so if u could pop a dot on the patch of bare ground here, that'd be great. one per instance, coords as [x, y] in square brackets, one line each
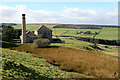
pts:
[74, 60]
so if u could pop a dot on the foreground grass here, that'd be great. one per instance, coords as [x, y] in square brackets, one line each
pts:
[23, 66]
[84, 62]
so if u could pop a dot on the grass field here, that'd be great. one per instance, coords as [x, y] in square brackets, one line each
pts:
[72, 32]
[108, 34]
[22, 65]
[85, 62]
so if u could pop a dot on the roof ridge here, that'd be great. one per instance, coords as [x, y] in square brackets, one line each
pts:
[41, 27]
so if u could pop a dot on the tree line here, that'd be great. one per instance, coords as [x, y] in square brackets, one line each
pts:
[9, 33]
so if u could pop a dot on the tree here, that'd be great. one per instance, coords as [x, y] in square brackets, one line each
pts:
[7, 33]
[17, 33]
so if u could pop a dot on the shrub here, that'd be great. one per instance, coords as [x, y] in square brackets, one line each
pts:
[39, 43]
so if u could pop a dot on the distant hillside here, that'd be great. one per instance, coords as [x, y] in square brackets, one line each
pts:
[83, 26]
[7, 24]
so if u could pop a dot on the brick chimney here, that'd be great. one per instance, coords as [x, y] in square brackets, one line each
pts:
[23, 37]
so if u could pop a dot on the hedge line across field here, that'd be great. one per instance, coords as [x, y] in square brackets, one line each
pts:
[98, 41]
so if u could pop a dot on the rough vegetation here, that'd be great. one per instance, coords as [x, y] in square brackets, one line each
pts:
[73, 60]
[20, 65]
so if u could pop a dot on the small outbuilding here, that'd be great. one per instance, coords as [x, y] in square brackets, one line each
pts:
[30, 36]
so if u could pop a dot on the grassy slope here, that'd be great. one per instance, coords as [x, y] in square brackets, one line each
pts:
[74, 44]
[108, 33]
[28, 66]
[85, 46]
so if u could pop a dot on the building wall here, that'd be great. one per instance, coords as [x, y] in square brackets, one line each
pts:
[30, 39]
[36, 33]
[47, 32]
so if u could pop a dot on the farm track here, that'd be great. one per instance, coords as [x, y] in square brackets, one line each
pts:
[107, 49]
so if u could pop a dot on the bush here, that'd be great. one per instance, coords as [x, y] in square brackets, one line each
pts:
[39, 43]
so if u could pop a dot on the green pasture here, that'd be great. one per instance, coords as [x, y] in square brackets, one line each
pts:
[108, 34]
[72, 32]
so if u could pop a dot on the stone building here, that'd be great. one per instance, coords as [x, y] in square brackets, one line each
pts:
[45, 31]
[30, 36]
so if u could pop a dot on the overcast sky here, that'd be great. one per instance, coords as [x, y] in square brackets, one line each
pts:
[60, 12]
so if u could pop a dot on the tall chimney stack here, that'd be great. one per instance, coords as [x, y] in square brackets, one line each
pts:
[23, 40]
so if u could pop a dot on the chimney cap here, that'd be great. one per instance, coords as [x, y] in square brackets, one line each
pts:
[23, 14]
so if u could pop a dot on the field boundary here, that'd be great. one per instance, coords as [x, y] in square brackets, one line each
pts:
[98, 41]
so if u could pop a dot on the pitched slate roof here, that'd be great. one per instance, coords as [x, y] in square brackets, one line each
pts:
[31, 34]
[41, 27]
